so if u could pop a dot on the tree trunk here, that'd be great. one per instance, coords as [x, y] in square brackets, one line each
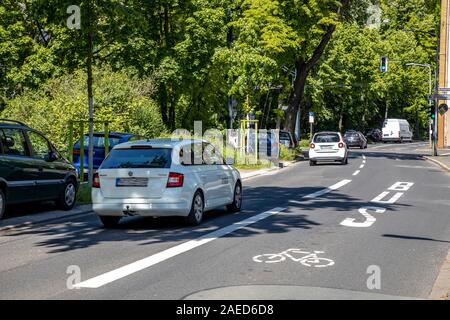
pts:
[163, 104]
[296, 96]
[171, 109]
[230, 39]
[303, 69]
[166, 25]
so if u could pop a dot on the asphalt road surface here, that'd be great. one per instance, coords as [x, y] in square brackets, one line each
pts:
[376, 228]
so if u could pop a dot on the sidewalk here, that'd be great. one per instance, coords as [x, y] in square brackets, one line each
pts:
[443, 160]
[248, 173]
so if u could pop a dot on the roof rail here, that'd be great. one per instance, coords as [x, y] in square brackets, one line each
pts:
[13, 121]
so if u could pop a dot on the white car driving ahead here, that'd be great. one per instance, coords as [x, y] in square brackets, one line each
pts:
[163, 177]
[328, 146]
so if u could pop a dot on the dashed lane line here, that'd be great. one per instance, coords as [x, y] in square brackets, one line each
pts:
[328, 190]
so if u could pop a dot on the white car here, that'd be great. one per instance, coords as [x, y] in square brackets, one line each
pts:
[163, 177]
[328, 146]
[396, 130]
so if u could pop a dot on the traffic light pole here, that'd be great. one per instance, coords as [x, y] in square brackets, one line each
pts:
[436, 89]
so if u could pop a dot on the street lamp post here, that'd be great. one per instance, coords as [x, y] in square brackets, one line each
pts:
[436, 83]
[426, 65]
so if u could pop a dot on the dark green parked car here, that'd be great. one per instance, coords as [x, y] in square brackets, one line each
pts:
[32, 170]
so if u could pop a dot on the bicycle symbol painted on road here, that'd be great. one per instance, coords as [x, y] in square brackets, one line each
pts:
[306, 258]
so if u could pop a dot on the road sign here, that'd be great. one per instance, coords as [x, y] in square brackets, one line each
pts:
[311, 117]
[443, 108]
[439, 97]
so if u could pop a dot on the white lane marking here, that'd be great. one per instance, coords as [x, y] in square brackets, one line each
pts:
[401, 186]
[398, 186]
[370, 220]
[308, 259]
[145, 263]
[364, 157]
[394, 199]
[364, 161]
[361, 166]
[413, 167]
[356, 172]
[328, 190]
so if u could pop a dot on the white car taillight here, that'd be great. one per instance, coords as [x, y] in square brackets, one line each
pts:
[341, 145]
[312, 146]
[175, 180]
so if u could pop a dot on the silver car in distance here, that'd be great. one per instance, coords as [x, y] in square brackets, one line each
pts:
[164, 177]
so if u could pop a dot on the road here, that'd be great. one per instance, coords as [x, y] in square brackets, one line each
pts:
[392, 253]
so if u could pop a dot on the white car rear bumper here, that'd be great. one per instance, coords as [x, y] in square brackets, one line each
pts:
[162, 207]
[327, 156]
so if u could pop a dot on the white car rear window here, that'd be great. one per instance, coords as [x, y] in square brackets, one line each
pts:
[327, 138]
[138, 158]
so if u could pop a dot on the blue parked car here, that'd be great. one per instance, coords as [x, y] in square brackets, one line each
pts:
[115, 138]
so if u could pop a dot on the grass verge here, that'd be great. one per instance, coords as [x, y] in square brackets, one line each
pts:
[84, 194]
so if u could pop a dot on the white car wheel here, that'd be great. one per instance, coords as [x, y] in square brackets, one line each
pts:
[195, 216]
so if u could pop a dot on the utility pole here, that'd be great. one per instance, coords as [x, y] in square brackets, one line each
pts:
[90, 40]
[442, 58]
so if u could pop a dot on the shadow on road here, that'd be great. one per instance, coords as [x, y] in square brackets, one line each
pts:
[19, 210]
[87, 231]
[413, 238]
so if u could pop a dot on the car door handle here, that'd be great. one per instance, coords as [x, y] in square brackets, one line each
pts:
[40, 169]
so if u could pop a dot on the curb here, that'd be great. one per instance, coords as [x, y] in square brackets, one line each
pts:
[29, 224]
[443, 166]
[441, 288]
[264, 171]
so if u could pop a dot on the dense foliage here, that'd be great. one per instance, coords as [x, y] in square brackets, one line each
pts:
[160, 65]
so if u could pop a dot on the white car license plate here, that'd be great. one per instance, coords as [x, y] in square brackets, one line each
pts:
[132, 182]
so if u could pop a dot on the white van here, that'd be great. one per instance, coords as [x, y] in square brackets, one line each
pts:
[396, 130]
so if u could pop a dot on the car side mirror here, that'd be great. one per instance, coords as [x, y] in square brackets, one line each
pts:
[51, 157]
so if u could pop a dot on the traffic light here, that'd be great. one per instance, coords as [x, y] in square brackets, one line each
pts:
[384, 64]
[432, 111]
